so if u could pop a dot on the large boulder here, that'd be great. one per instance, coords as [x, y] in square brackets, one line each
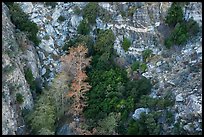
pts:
[43, 71]
[56, 14]
[49, 29]
[75, 20]
[138, 111]
[27, 7]
[179, 98]
[47, 45]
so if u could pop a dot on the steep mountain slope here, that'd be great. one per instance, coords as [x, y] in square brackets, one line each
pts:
[176, 70]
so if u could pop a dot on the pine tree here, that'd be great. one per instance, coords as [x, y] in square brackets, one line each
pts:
[58, 90]
[43, 116]
[108, 125]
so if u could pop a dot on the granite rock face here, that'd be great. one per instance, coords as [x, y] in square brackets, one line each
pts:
[178, 70]
[13, 79]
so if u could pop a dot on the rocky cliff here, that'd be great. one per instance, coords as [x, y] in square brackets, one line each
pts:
[17, 53]
[177, 70]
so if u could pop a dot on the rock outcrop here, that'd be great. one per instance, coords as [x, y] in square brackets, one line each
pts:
[177, 70]
[17, 53]
[138, 112]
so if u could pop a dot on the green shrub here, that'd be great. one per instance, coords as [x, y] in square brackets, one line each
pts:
[84, 27]
[178, 36]
[182, 29]
[123, 13]
[174, 15]
[147, 102]
[182, 4]
[61, 18]
[143, 67]
[104, 44]
[68, 44]
[98, 64]
[168, 43]
[77, 10]
[43, 116]
[126, 44]
[8, 3]
[155, 103]
[85, 39]
[133, 128]
[107, 125]
[34, 38]
[178, 128]
[30, 79]
[139, 66]
[192, 26]
[52, 4]
[8, 69]
[21, 21]
[104, 15]
[146, 54]
[135, 66]
[46, 37]
[90, 12]
[110, 98]
[18, 17]
[19, 98]
[170, 117]
[137, 88]
[146, 125]
[45, 131]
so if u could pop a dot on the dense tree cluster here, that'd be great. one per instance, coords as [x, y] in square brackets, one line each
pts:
[182, 29]
[43, 116]
[90, 12]
[50, 106]
[175, 15]
[21, 21]
[84, 27]
[112, 92]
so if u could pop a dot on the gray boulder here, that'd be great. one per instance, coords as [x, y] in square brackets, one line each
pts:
[43, 71]
[138, 111]
[27, 7]
[75, 20]
[47, 45]
[179, 98]
[56, 14]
